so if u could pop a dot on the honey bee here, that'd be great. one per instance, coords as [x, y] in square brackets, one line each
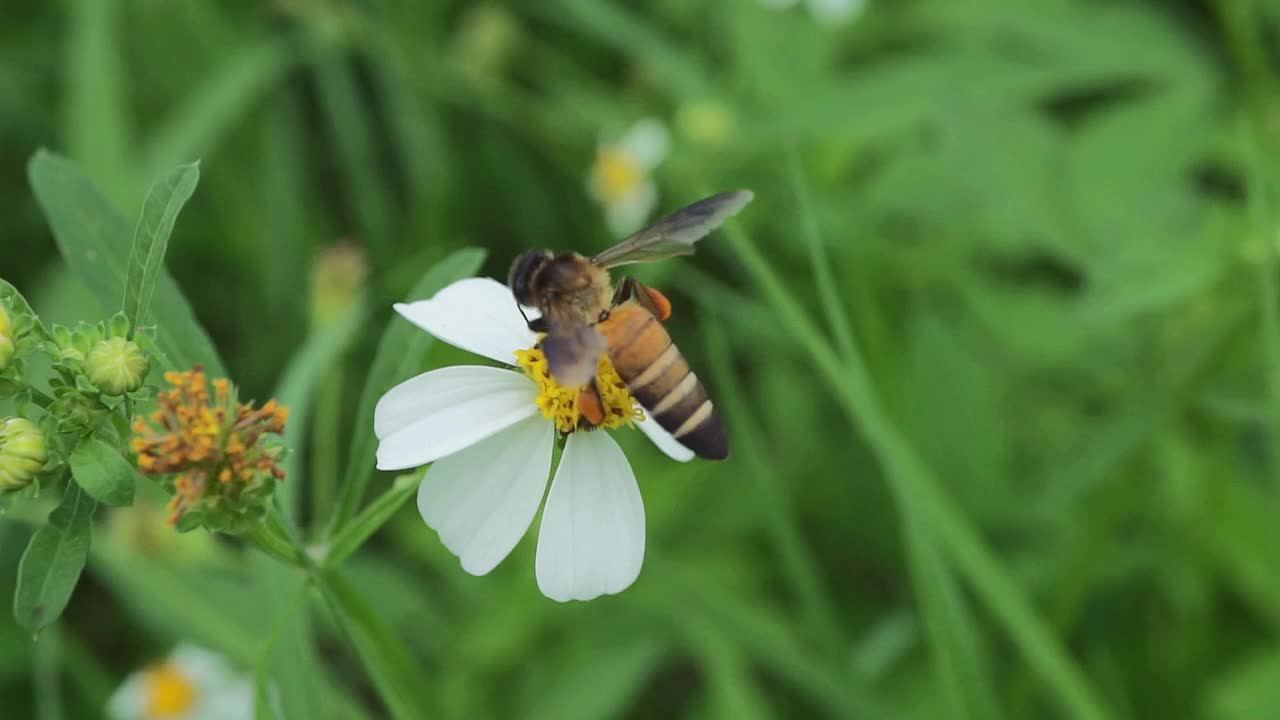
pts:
[583, 316]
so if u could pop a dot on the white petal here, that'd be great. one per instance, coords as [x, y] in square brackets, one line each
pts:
[478, 315]
[648, 140]
[482, 499]
[591, 541]
[130, 699]
[203, 667]
[629, 214]
[663, 439]
[441, 412]
[836, 12]
[232, 701]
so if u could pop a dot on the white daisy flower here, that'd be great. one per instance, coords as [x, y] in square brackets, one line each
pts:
[191, 684]
[490, 433]
[826, 12]
[621, 177]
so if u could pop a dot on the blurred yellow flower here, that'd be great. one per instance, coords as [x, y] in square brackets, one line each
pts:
[621, 179]
[191, 684]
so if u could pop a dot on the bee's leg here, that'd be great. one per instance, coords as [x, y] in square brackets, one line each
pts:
[646, 297]
[538, 324]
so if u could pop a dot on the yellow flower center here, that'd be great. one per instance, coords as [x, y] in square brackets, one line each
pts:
[169, 693]
[561, 404]
[616, 174]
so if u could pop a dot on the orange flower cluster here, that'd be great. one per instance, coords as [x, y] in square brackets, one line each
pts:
[211, 445]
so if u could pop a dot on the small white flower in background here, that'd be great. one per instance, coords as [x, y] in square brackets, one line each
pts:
[490, 433]
[191, 684]
[827, 12]
[621, 177]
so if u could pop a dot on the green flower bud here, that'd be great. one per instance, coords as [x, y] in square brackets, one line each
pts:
[22, 453]
[6, 339]
[116, 366]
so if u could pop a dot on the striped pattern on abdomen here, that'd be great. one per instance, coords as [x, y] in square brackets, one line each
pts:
[660, 379]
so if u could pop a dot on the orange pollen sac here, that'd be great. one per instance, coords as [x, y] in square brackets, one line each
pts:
[210, 445]
[660, 302]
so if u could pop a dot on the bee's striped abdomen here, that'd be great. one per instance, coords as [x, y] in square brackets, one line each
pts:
[660, 379]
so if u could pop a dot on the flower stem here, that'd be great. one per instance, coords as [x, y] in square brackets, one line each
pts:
[271, 537]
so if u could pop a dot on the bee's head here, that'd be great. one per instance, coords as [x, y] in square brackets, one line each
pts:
[523, 270]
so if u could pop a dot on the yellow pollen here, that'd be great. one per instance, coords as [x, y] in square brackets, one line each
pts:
[560, 404]
[617, 174]
[169, 693]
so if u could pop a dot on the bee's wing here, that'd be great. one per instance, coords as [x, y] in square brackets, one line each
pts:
[573, 350]
[676, 233]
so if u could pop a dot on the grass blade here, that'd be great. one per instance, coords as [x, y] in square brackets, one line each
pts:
[399, 352]
[373, 517]
[913, 483]
[216, 103]
[97, 120]
[296, 391]
[151, 239]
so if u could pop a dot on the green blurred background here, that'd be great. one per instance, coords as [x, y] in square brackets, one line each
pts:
[1045, 484]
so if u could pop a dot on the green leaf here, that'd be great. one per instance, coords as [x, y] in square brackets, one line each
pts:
[389, 663]
[103, 473]
[51, 566]
[399, 352]
[95, 240]
[363, 526]
[151, 238]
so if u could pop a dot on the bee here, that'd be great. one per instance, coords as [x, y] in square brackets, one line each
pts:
[583, 316]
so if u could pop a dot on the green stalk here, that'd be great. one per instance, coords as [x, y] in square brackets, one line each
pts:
[325, 439]
[916, 490]
[1240, 24]
[837, 318]
[271, 537]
